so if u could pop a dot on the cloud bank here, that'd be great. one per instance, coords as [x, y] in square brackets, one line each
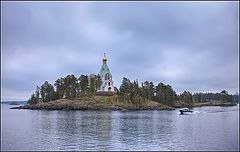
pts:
[190, 45]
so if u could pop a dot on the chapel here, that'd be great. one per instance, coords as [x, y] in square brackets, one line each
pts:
[106, 76]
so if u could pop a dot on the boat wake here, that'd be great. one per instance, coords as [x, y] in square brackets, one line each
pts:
[196, 111]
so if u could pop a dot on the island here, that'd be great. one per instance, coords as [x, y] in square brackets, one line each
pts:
[105, 103]
[14, 103]
[97, 92]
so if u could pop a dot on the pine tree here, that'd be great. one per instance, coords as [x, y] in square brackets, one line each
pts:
[84, 84]
[47, 92]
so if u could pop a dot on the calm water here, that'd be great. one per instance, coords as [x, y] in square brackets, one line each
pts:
[210, 128]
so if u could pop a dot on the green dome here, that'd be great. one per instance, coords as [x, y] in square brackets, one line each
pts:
[104, 70]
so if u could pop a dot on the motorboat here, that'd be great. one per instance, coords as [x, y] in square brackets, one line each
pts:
[185, 111]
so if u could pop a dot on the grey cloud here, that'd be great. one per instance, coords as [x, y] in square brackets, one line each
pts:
[191, 46]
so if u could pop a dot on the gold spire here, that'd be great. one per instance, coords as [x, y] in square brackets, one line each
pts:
[104, 58]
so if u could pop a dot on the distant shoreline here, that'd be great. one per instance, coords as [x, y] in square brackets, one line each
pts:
[224, 104]
[104, 103]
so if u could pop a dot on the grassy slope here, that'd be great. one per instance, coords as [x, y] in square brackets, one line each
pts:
[98, 103]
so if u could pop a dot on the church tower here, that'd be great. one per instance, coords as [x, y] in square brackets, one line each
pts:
[106, 76]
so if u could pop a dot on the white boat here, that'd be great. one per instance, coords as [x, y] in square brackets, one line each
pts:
[185, 111]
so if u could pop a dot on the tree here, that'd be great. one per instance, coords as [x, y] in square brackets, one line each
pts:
[187, 98]
[92, 84]
[47, 92]
[95, 82]
[165, 94]
[70, 86]
[146, 91]
[134, 90]
[160, 93]
[125, 87]
[151, 91]
[129, 90]
[59, 83]
[37, 92]
[170, 95]
[32, 100]
[98, 82]
[84, 84]
[226, 97]
[235, 97]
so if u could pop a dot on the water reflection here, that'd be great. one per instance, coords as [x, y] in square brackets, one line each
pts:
[95, 130]
[149, 128]
[137, 130]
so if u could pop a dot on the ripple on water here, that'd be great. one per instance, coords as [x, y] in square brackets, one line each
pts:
[208, 128]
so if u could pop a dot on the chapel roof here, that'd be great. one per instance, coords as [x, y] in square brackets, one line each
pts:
[104, 69]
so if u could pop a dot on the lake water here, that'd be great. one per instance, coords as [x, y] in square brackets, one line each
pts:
[209, 128]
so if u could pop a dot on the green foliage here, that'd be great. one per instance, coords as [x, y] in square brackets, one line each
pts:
[130, 91]
[124, 89]
[34, 97]
[92, 85]
[98, 82]
[146, 90]
[32, 100]
[47, 92]
[187, 98]
[151, 90]
[205, 97]
[70, 87]
[37, 92]
[235, 98]
[84, 84]
[165, 94]
[95, 82]
[60, 88]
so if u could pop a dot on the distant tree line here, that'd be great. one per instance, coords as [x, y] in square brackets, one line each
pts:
[235, 97]
[71, 87]
[223, 96]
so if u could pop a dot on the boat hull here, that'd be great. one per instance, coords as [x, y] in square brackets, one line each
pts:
[186, 112]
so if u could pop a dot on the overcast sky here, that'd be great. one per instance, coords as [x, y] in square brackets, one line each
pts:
[192, 46]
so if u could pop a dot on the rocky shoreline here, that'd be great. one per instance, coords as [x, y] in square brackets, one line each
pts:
[89, 108]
